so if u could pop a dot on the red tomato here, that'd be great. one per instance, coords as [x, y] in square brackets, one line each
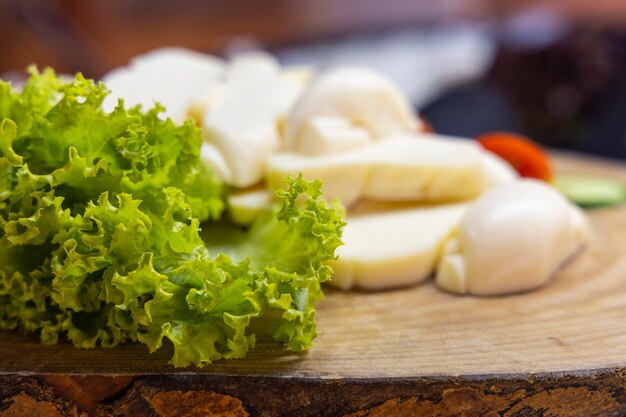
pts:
[528, 158]
[426, 126]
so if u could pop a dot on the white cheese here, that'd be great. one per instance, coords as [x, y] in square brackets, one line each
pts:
[405, 168]
[175, 77]
[496, 169]
[396, 245]
[242, 120]
[331, 134]
[213, 158]
[244, 207]
[363, 98]
[423, 168]
[342, 175]
[513, 238]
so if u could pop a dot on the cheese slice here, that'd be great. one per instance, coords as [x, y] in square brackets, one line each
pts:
[427, 167]
[392, 245]
[243, 114]
[245, 206]
[331, 134]
[175, 77]
[497, 170]
[363, 97]
[423, 168]
[342, 175]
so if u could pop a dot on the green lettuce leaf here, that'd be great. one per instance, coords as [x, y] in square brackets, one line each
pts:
[107, 233]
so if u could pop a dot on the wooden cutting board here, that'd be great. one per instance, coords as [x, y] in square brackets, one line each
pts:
[558, 351]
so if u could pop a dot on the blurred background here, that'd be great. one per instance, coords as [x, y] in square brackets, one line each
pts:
[553, 70]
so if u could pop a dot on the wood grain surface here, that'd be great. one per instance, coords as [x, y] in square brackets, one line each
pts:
[557, 351]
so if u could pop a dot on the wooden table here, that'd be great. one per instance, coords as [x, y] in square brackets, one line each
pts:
[558, 351]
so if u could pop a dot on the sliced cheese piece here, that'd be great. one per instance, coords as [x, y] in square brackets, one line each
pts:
[175, 77]
[428, 167]
[496, 169]
[252, 65]
[396, 246]
[363, 97]
[241, 120]
[245, 206]
[331, 134]
[512, 239]
[213, 158]
[298, 74]
[406, 168]
[243, 139]
[198, 109]
[342, 175]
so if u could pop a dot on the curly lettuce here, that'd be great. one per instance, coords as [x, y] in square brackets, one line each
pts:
[101, 241]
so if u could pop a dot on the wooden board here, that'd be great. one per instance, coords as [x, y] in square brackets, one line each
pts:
[560, 350]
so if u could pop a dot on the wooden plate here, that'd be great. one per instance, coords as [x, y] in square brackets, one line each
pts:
[560, 350]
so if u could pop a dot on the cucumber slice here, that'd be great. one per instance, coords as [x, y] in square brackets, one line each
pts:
[589, 191]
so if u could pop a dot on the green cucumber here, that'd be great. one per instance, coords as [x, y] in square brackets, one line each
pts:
[591, 191]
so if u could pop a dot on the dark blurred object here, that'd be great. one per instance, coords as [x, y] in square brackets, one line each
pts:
[471, 110]
[568, 94]
[558, 90]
